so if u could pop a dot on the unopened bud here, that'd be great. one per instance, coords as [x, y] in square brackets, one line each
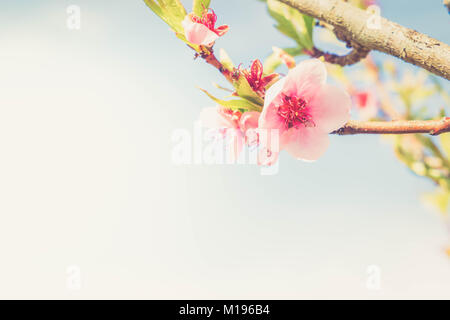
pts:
[287, 59]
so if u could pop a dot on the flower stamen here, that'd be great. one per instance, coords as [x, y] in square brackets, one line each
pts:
[295, 112]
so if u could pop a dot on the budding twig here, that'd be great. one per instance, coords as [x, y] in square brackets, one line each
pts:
[211, 59]
[433, 127]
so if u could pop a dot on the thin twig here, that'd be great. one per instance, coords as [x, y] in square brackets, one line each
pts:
[433, 127]
[354, 56]
[211, 59]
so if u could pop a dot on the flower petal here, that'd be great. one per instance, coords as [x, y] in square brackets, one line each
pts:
[249, 120]
[330, 108]
[198, 33]
[269, 118]
[305, 143]
[274, 91]
[305, 79]
[222, 30]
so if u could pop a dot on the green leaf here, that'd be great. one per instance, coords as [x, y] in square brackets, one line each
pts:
[174, 7]
[199, 6]
[244, 90]
[176, 13]
[292, 23]
[226, 60]
[171, 12]
[234, 104]
[156, 9]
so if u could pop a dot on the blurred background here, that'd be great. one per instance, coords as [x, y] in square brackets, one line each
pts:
[91, 205]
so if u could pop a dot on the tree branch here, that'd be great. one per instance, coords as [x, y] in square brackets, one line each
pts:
[391, 38]
[433, 127]
[354, 56]
[211, 59]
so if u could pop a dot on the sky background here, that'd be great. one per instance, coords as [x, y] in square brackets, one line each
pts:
[87, 182]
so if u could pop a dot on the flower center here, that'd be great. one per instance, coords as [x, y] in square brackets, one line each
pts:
[208, 19]
[295, 112]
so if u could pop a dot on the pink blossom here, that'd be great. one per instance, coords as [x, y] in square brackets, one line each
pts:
[238, 128]
[305, 110]
[256, 79]
[366, 104]
[202, 30]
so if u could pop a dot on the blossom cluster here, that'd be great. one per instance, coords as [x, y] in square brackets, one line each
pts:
[302, 107]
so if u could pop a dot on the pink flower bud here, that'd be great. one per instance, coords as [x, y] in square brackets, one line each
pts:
[202, 30]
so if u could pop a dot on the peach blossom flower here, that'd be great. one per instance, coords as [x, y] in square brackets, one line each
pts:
[202, 31]
[305, 110]
[256, 79]
[238, 128]
[366, 103]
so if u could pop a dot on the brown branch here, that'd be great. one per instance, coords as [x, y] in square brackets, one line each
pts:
[433, 127]
[354, 56]
[391, 38]
[210, 58]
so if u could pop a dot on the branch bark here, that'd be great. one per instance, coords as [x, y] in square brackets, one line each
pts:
[433, 127]
[211, 59]
[354, 56]
[391, 38]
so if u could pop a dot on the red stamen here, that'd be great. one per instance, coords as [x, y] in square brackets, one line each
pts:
[256, 79]
[209, 19]
[295, 112]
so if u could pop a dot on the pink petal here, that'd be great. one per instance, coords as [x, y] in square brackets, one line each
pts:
[198, 33]
[305, 143]
[274, 91]
[222, 30]
[330, 108]
[305, 79]
[269, 118]
[249, 120]
[212, 118]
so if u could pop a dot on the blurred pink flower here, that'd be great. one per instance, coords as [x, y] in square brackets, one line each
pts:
[238, 128]
[305, 109]
[202, 30]
[366, 103]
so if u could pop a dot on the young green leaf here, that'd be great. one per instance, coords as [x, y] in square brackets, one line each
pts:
[226, 60]
[244, 90]
[292, 23]
[199, 6]
[235, 104]
[171, 12]
[157, 9]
